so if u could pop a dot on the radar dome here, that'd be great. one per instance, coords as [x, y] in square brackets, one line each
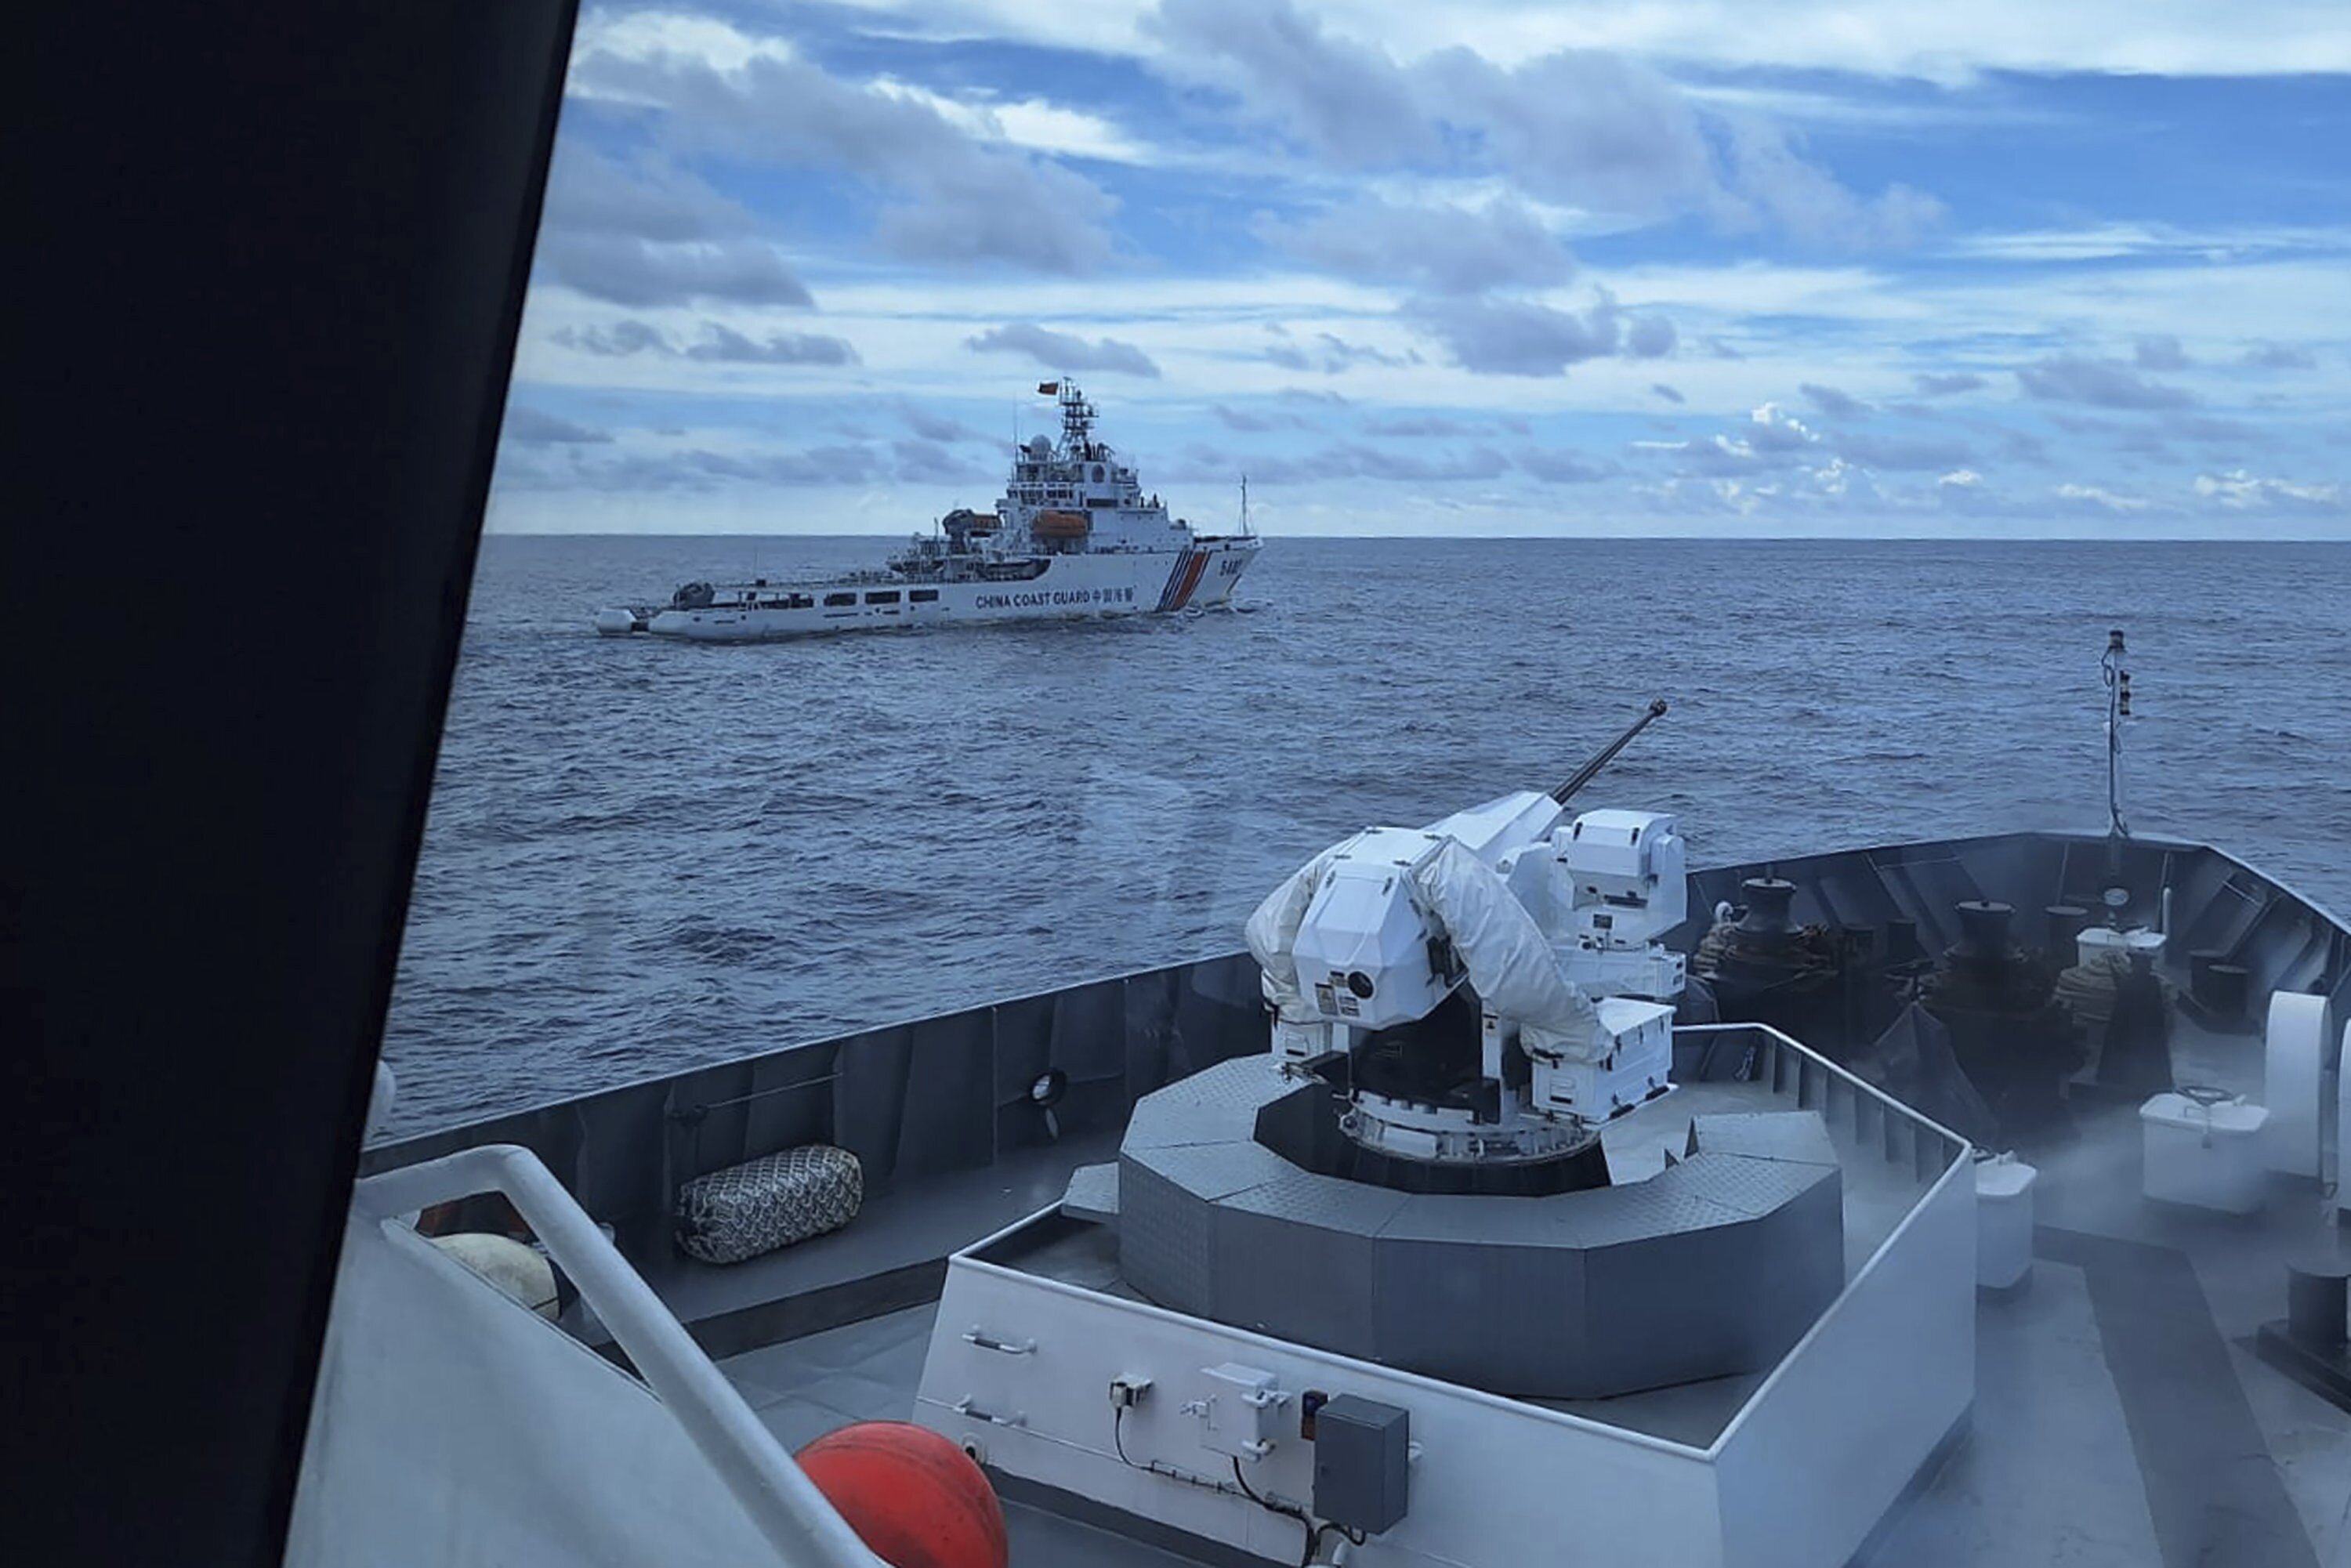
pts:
[1040, 447]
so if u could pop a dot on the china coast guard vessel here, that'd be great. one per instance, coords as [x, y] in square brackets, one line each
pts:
[1073, 535]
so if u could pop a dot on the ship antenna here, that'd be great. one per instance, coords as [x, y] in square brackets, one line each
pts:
[2117, 675]
[1245, 522]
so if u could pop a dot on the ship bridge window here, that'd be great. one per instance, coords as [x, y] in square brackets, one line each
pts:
[923, 596]
[883, 596]
[833, 599]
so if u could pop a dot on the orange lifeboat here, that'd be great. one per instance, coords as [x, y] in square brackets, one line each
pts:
[1061, 526]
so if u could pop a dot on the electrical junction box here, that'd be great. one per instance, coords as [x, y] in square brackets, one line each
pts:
[1362, 1463]
[1240, 1412]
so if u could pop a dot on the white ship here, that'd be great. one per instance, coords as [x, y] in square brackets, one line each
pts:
[1074, 535]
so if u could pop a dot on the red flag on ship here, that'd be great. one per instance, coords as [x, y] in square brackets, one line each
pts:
[1050, 389]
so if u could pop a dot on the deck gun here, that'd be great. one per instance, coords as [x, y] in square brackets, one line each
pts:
[1496, 981]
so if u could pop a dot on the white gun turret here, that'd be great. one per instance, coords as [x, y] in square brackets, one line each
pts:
[1495, 981]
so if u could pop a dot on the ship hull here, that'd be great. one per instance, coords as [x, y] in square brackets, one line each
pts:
[1072, 586]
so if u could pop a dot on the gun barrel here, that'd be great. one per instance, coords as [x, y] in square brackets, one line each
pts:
[1607, 754]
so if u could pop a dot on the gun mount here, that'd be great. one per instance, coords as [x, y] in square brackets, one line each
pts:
[1485, 992]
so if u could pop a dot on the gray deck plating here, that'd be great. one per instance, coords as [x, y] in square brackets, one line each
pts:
[2098, 1388]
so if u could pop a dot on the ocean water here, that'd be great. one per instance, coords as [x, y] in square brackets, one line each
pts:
[643, 855]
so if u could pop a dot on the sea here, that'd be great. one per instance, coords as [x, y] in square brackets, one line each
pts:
[642, 855]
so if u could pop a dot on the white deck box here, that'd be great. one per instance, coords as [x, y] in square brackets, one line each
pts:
[2204, 1151]
[2003, 1220]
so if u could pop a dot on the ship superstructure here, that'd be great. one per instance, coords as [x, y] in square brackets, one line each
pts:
[1074, 534]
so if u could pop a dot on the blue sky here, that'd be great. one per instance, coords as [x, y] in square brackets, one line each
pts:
[1993, 269]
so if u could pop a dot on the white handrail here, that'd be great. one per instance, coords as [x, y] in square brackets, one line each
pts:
[782, 1502]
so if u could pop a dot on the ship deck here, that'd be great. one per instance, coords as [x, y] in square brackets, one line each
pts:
[2120, 1415]
[2121, 1418]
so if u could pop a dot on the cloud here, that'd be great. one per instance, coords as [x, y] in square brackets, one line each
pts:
[1771, 182]
[928, 462]
[1347, 101]
[1771, 428]
[1439, 248]
[1933, 385]
[702, 469]
[1769, 438]
[1666, 393]
[2100, 383]
[2280, 357]
[1063, 350]
[717, 345]
[1834, 402]
[955, 197]
[1584, 127]
[2159, 351]
[935, 427]
[1344, 460]
[1882, 450]
[2204, 427]
[1517, 337]
[2239, 491]
[648, 233]
[1650, 338]
[1553, 466]
[1250, 422]
[528, 427]
[2099, 498]
[723, 345]
[1331, 355]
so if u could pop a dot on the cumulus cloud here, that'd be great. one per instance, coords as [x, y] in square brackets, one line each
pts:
[1832, 401]
[715, 345]
[1771, 428]
[1579, 127]
[1347, 101]
[1063, 350]
[1772, 184]
[1956, 381]
[2159, 351]
[648, 233]
[1650, 338]
[1503, 336]
[953, 195]
[1770, 438]
[2100, 383]
[528, 427]
[2280, 357]
[2239, 491]
[1440, 249]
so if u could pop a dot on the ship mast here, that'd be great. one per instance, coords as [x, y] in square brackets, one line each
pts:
[2117, 675]
[1077, 419]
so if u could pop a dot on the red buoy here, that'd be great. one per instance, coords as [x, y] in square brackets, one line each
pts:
[913, 1495]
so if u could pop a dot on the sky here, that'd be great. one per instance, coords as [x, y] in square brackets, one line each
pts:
[1973, 268]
